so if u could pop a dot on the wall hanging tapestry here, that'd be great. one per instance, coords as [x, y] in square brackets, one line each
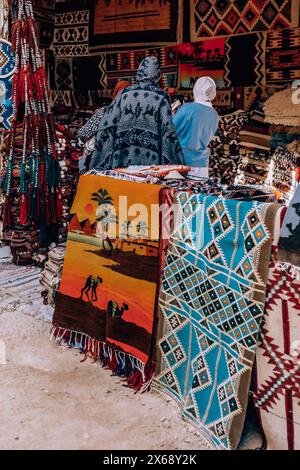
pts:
[124, 65]
[44, 11]
[107, 298]
[212, 303]
[202, 58]
[80, 73]
[290, 234]
[7, 65]
[224, 18]
[71, 34]
[283, 56]
[60, 98]
[245, 60]
[224, 99]
[253, 97]
[125, 22]
[277, 378]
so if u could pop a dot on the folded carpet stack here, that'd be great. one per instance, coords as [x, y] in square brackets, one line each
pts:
[51, 275]
[68, 162]
[283, 172]
[225, 148]
[254, 150]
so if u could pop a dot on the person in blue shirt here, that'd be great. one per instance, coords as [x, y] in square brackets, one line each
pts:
[196, 124]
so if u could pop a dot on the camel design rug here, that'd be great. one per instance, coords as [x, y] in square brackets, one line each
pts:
[107, 299]
[211, 307]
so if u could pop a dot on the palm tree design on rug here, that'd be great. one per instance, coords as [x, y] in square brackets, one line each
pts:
[142, 228]
[126, 228]
[105, 216]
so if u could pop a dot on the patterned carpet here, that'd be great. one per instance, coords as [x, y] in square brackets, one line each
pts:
[20, 289]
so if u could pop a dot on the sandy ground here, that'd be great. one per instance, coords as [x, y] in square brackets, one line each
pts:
[49, 400]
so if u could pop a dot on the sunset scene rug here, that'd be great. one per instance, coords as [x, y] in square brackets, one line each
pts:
[107, 299]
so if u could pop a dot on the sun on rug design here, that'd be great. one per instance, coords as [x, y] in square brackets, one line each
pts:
[212, 304]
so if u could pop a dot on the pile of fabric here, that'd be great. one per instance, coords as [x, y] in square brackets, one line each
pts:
[255, 150]
[51, 275]
[225, 149]
[282, 174]
[68, 161]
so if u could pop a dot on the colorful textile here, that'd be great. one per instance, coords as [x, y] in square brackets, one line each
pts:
[249, 98]
[290, 234]
[7, 64]
[71, 34]
[107, 296]
[283, 56]
[276, 389]
[212, 304]
[245, 60]
[224, 18]
[124, 65]
[281, 175]
[225, 155]
[125, 22]
[137, 128]
[205, 58]
[255, 150]
[78, 73]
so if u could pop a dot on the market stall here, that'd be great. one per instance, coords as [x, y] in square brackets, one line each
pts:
[179, 284]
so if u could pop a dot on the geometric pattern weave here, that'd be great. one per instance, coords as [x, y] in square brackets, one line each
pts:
[224, 18]
[7, 65]
[212, 304]
[71, 34]
[277, 391]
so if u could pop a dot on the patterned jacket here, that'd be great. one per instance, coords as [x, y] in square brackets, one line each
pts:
[137, 128]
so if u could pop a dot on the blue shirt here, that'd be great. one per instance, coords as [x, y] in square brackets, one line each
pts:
[196, 124]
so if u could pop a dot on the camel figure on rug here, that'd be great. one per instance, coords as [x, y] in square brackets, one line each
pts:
[114, 311]
[91, 284]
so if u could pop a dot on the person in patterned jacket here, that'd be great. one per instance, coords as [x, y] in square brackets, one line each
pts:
[137, 128]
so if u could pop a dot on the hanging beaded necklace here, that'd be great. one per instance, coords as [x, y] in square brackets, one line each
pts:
[40, 184]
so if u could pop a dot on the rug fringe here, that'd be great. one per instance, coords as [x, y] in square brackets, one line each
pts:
[136, 374]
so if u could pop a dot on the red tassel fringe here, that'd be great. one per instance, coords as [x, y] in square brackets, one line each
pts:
[136, 380]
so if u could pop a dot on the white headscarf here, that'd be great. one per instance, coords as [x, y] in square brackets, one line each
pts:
[205, 90]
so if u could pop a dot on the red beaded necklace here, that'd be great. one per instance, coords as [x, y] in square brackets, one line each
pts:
[40, 185]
